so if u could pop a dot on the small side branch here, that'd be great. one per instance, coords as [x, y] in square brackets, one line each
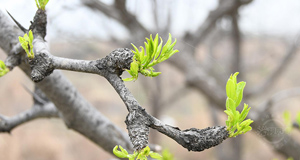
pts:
[224, 8]
[37, 111]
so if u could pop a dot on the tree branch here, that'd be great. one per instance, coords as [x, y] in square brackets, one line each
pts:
[138, 122]
[236, 39]
[80, 115]
[77, 113]
[224, 8]
[206, 84]
[119, 12]
[273, 77]
[47, 110]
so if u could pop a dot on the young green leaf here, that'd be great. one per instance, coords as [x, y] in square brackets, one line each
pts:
[3, 69]
[26, 43]
[298, 118]
[166, 155]
[239, 95]
[119, 153]
[150, 56]
[230, 88]
[244, 112]
[155, 155]
[287, 121]
[235, 122]
[123, 150]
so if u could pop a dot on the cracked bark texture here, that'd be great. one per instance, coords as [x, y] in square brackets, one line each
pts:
[77, 113]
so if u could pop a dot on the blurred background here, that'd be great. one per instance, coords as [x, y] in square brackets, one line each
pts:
[258, 38]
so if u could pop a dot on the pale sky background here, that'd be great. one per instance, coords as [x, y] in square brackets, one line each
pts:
[69, 17]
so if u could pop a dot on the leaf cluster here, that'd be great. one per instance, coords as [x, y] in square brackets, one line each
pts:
[41, 4]
[26, 43]
[236, 123]
[3, 69]
[154, 53]
[137, 155]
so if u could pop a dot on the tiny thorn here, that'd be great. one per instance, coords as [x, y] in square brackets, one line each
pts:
[17, 23]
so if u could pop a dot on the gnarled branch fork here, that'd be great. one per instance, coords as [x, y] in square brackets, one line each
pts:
[80, 115]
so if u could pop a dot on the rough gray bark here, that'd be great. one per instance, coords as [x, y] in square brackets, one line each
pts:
[77, 113]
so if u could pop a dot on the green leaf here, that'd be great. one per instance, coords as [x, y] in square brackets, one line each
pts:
[2, 65]
[136, 52]
[298, 118]
[123, 150]
[239, 93]
[166, 46]
[230, 104]
[246, 122]
[155, 155]
[30, 37]
[145, 72]
[142, 55]
[235, 122]
[158, 49]
[149, 56]
[244, 112]
[154, 74]
[167, 155]
[287, 121]
[129, 79]
[234, 77]
[119, 153]
[230, 88]
[146, 151]
[37, 5]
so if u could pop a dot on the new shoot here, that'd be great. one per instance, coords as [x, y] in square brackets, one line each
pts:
[26, 43]
[236, 123]
[3, 69]
[144, 59]
[137, 155]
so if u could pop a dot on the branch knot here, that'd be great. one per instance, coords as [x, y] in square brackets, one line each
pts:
[117, 61]
[138, 128]
[41, 66]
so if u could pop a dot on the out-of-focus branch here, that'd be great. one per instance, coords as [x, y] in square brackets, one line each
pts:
[224, 8]
[47, 110]
[201, 81]
[236, 39]
[119, 12]
[268, 104]
[273, 77]
[42, 108]
[296, 125]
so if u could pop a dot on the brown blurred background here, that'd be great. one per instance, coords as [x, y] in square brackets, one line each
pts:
[72, 33]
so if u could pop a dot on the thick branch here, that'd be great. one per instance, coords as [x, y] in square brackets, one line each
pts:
[138, 122]
[77, 113]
